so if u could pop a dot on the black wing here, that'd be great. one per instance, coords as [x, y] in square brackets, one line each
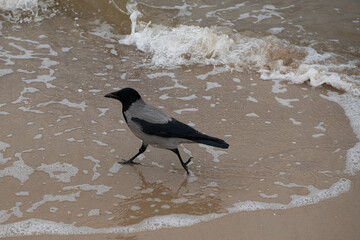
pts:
[177, 129]
[171, 129]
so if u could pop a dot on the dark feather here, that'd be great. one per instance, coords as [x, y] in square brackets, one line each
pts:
[177, 129]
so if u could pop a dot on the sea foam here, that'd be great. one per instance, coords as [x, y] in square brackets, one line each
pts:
[26, 10]
[272, 57]
[38, 226]
[351, 107]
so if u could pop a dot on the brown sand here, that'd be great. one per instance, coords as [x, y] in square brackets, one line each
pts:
[332, 219]
[265, 148]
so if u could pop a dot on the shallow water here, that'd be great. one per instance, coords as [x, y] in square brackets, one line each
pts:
[290, 144]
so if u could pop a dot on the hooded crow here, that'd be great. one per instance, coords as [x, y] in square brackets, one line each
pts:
[156, 128]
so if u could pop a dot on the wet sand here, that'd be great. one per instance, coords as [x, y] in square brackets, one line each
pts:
[286, 141]
[332, 219]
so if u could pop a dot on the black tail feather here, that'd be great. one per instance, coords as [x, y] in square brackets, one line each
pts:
[219, 143]
[207, 140]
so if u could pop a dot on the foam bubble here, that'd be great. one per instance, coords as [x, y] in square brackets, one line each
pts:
[294, 121]
[315, 196]
[20, 10]
[51, 198]
[263, 195]
[275, 30]
[100, 143]
[286, 102]
[100, 189]
[22, 193]
[37, 226]
[115, 168]
[94, 212]
[180, 111]
[66, 171]
[252, 99]
[14, 211]
[252, 115]
[4, 146]
[97, 164]
[350, 105]
[19, 169]
[21, 98]
[4, 72]
[215, 153]
[187, 98]
[211, 85]
[67, 103]
[271, 57]
[103, 111]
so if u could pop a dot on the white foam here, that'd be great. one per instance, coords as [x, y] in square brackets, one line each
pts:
[53, 209]
[179, 200]
[271, 57]
[180, 111]
[37, 136]
[14, 211]
[67, 103]
[43, 79]
[54, 198]
[24, 193]
[351, 107]
[103, 31]
[70, 139]
[286, 102]
[278, 87]
[263, 195]
[115, 168]
[294, 121]
[100, 143]
[103, 111]
[315, 196]
[97, 165]
[252, 115]
[4, 72]
[37, 226]
[61, 171]
[318, 135]
[121, 196]
[211, 85]
[212, 184]
[157, 164]
[320, 127]
[19, 169]
[187, 98]
[3, 147]
[275, 30]
[2, 112]
[251, 99]
[100, 189]
[94, 212]
[215, 153]
[164, 97]
[19, 8]
[213, 72]
[21, 98]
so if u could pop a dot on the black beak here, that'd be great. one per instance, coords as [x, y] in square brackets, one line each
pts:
[110, 95]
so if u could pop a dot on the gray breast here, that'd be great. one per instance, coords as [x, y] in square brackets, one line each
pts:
[141, 110]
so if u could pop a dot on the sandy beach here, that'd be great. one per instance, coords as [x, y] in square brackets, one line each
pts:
[291, 171]
[332, 219]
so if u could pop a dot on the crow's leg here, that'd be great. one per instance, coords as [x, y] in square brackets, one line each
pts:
[131, 160]
[176, 151]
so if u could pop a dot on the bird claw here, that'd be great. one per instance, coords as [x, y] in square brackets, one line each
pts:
[131, 161]
[188, 161]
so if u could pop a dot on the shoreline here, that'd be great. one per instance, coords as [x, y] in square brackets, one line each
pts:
[290, 145]
[331, 219]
